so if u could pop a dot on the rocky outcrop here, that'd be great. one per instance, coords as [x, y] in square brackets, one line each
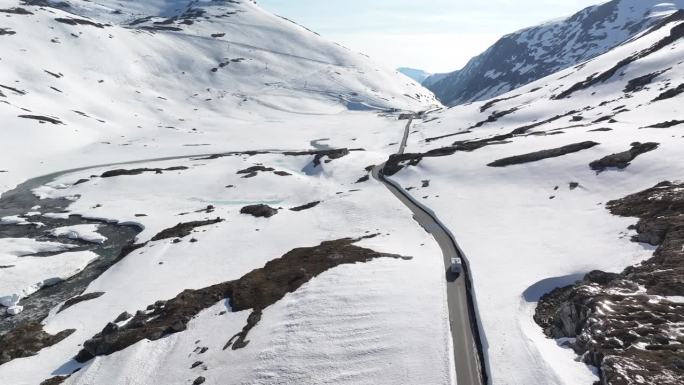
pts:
[254, 291]
[27, 340]
[629, 324]
[543, 154]
[138, 171]
[183, 229]
[259, 211]
[78, 299]
[623, 159]
[306, 206]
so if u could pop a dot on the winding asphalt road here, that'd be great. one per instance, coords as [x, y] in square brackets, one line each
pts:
[468, 354]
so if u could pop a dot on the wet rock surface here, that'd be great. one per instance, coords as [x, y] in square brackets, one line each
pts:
[629, 325]
[623, 159]
[543, 154]
[37, 306]
[259, 211]
[27, 340]
[254, 291]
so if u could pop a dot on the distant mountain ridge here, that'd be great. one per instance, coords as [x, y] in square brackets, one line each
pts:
[532, 53]
[415, 74]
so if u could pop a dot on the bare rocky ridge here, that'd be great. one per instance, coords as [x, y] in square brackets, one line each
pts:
[254, 291]
[629, 324]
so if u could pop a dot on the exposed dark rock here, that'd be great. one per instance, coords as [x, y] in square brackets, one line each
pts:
[306, 206]
[493, 117]
[160, 28]
[218, 34]
[138, 171]
[72, 21]
[254, 291]
[199, 381]
[671, 93]
[637, 84]
[123, 317]
[398, 161]
[56, 380]
[543, 154]
[259, 211]
[42, 119]
[602, 129]
[492, 102]
[254, 170]
[13, 89]
[629, 334]
[320, 154]
[676, 33]
[622, 159]
[59, 75]
[85, 297]
[6, 31]
[27, 340]
[667, 124]
[81, 181]
[16, 11]
[364, 178]
[183, 229]
[425, 183]
[428, 140]
[196, 364]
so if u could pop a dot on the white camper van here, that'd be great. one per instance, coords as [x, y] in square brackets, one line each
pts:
[456, 265]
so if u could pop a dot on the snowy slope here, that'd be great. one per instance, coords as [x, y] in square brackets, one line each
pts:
[528, 228]
[171, 73]
[90, 83]
[532, 53]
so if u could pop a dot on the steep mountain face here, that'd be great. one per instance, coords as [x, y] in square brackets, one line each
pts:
[415, 74]
[532, 53]
[575, 182]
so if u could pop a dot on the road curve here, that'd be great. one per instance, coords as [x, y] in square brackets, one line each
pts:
[468, 352]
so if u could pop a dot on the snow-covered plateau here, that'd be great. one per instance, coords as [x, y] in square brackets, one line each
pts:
[192, 195]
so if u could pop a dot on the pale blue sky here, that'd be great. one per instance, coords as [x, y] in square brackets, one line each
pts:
[434, 35]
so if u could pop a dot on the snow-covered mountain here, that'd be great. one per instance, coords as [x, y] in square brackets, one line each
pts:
[189, 196]
[545, 184]
[238, 146]
[533, 53]
[94, 70]
[415, 74]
